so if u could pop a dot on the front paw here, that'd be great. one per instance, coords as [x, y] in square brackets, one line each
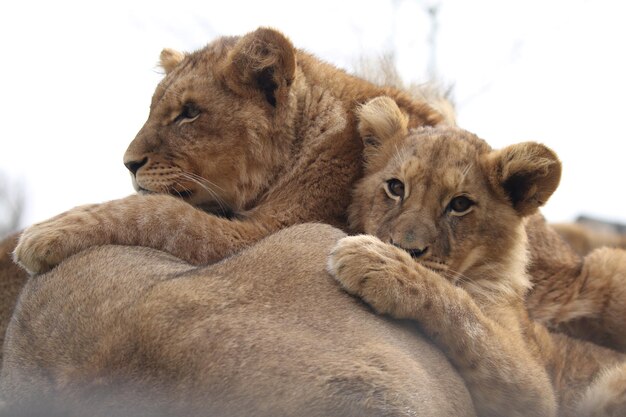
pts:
[38, 249]
[376, 272]
[43, 246]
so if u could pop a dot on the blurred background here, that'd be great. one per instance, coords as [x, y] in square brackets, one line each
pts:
[76, 79]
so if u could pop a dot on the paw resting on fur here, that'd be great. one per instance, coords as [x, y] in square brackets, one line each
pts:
[376, 272]
[38, 249]
[45, 245]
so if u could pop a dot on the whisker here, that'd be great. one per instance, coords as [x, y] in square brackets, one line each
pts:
[203, 186]
[198, 178]
[456, 276]
[206, 185]
[466, 171]
[172, 189]
[397, 156]
[450, 274]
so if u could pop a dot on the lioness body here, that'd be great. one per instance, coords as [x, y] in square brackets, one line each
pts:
[133, 331]
[451, 212]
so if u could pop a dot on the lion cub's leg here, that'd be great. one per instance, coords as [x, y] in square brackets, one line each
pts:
[159, 221]
[604, 274]
[589, 379]
[606, 396]
[501, 374]
[590, 303]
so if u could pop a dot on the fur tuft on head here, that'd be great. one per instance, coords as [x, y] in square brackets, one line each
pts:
[169, 59]
[382, 71]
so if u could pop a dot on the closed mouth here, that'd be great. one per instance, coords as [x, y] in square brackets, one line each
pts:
[142, 190]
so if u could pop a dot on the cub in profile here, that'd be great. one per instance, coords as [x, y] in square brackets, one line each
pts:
[449, 250]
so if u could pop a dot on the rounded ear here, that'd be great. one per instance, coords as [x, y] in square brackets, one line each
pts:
[528, 173]
[380, 121]
[263, 61]
[169, 59]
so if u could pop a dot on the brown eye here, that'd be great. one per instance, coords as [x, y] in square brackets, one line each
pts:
[189, 113]
[395, 188]
[460, 205]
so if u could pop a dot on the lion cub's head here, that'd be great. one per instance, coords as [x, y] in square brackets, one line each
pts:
[443, 195]
[218, 129]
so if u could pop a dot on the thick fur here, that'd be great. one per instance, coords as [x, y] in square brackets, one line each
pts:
[118, 331]
[450, 250]
[265, 136]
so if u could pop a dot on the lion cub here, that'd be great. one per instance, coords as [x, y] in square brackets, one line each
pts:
[448, 250]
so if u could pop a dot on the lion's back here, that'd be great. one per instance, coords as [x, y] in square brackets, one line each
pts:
[266, 332]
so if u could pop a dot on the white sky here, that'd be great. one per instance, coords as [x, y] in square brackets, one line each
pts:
[76, 80]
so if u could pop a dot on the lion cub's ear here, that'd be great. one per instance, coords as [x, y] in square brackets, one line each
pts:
[380, 122]
[169, 59]
[263, 61]
[528, 173]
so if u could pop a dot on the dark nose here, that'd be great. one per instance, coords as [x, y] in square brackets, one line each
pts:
[133, 166]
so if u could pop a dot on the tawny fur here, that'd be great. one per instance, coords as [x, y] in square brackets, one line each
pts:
[118, 332]
[272, 147]
[456, 198]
